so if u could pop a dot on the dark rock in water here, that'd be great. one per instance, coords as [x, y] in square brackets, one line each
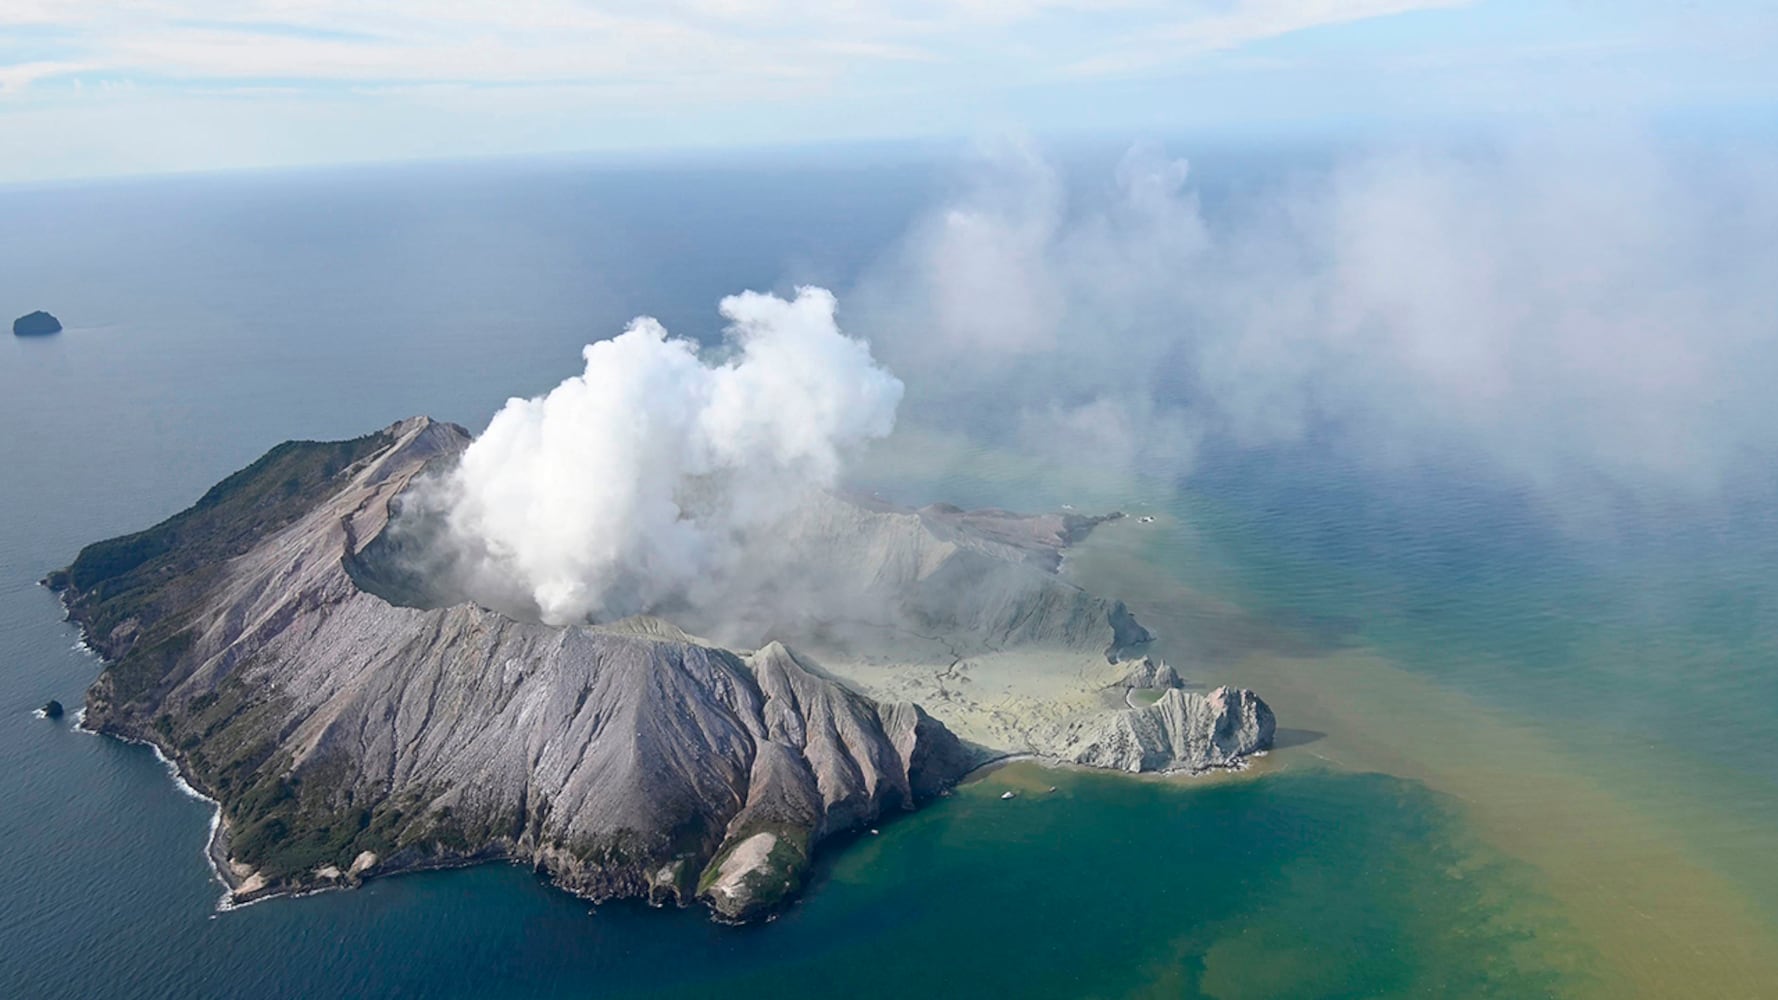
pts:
[37, 324]
[52, 709]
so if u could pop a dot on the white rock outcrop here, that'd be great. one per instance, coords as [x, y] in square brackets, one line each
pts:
[1180, 732]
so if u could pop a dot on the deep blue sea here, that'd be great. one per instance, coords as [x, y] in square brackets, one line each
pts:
[1520, 760]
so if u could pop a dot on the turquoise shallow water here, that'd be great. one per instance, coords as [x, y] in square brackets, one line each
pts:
[210, 318]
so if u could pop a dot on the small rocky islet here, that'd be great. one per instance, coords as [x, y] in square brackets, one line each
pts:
[351, 725]
[35, 324]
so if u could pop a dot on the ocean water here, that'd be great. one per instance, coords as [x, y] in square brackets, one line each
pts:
[1516, 761]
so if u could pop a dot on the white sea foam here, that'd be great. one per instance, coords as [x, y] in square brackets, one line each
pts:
[185, 788]
[226, 902]
[179, 781]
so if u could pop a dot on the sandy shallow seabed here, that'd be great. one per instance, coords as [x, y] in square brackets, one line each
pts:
[1658, 919]
[999, 700]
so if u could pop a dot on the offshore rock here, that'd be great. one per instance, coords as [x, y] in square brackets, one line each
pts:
[36, 324]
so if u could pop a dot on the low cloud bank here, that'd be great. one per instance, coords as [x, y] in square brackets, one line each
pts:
[1573, 313]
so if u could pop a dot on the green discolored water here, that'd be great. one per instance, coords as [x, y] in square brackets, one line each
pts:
[1309, 884]
[1599, 705]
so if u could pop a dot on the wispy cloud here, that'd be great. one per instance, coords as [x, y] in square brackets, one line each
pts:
[555, 41]
[20, 75]
[400, 41]
[1585, 314]
[130, 86]
[1242, 23]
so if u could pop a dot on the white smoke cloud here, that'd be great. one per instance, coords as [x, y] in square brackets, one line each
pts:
[1582, 319]
[627, 484]
[1575, 312]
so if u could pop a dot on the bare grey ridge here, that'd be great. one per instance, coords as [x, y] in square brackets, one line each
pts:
[345, 736]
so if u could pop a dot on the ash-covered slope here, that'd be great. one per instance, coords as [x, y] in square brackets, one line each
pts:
[872, 579]
[345, 736]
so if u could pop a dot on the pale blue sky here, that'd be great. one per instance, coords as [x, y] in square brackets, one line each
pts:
[100, 87]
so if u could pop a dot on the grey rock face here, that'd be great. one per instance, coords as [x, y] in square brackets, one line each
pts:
[1148, 673]
[1180, 732]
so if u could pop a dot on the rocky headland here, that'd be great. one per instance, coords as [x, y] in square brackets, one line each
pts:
[351, 720]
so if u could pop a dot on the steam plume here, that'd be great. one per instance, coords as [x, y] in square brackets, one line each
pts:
[625, 484]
